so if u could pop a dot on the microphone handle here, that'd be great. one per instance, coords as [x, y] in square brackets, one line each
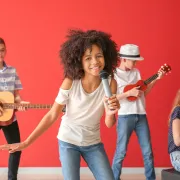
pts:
[106, 88]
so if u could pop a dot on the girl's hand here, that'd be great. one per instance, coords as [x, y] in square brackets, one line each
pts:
[14, 147]
[111, 105]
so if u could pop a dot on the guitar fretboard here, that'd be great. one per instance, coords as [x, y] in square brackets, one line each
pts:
[152, 78]
[27, 106]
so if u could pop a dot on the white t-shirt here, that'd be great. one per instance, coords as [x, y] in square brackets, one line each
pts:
[80, 124]
[123, 79]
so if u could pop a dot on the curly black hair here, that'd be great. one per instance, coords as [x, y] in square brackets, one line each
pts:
[78, 42]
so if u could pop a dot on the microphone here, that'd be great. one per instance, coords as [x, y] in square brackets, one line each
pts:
[104, 77]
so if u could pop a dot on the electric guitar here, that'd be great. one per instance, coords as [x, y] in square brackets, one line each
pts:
[143, 84]
[8, 105]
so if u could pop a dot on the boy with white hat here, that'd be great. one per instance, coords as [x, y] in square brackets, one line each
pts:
[132, 114]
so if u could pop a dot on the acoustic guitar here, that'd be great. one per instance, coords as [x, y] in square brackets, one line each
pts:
[8, 105]
[143, 84]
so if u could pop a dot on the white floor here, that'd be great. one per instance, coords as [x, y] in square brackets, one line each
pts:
[55, 174]
[83, 177]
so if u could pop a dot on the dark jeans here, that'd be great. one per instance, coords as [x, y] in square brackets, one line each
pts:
[12, 135]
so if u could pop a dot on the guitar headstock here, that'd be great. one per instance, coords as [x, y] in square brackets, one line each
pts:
[166, 68]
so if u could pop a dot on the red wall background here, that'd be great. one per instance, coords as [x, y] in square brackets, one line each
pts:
[33, 31]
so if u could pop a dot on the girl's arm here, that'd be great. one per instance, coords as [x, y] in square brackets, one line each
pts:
[176, 131]
[44, 124]
[111, 105]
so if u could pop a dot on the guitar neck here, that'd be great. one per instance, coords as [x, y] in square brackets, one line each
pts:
[152, 78]
[27, 106]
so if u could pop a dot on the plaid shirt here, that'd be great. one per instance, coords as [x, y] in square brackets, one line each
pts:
[9, 80]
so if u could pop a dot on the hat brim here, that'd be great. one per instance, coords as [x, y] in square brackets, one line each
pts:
[133, 58]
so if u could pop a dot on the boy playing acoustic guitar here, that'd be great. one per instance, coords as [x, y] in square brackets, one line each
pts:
[132, 114]
[10, 82]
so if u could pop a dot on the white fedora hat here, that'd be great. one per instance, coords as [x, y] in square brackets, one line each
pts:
[131, 52]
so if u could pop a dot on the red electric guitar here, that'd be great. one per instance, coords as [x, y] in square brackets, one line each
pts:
[143, 84]
[8, 105]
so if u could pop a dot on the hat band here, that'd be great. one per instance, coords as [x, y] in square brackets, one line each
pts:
[130, 56]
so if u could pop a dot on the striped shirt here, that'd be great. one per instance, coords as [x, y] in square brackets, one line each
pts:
[171, 145]
[9, 79]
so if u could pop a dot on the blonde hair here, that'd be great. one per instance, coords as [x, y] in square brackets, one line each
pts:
[176, 103]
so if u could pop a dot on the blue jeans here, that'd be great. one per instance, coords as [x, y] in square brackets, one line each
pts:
[94, 155]
[126, 125]
[175, 160]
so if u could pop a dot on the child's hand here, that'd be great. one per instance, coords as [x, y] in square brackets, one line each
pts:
[1, 109]
[111, 105]
[22, 106]
[135, 92]
[14, 147]
[161, 73]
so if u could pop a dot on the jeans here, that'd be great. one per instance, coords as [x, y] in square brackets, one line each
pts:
[12, 135]
[126, 125]
[175, 160]
[94, 155]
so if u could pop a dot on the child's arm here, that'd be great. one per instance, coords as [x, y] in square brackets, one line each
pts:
[1, 108]
[133, 92]
[111, 106]
[151, 85]
[44, 124]
[18, 99]
[176, 131]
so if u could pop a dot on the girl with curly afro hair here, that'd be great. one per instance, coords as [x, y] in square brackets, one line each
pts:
[84, 54]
